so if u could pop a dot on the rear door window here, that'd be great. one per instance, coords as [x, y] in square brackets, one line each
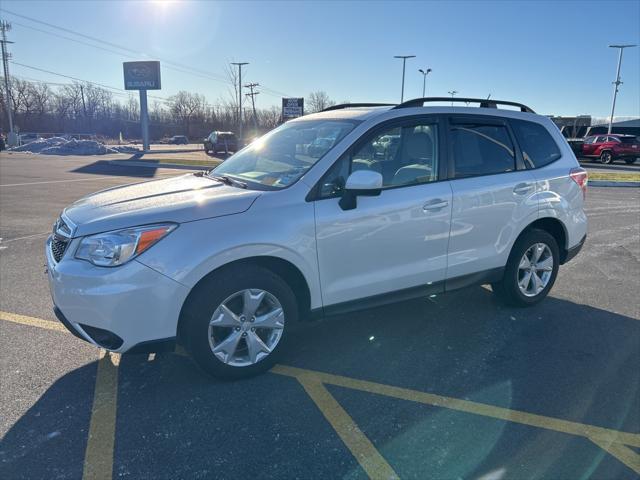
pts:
[537, 145]
[481, 149]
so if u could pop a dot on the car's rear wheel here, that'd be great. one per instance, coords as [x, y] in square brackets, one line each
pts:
[531, 269]
[630, 160]
[237, 321]
[606, 157]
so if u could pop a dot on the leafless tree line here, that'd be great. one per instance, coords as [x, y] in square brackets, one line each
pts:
[88, 108]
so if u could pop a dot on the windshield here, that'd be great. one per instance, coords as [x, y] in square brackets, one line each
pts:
[282, 156]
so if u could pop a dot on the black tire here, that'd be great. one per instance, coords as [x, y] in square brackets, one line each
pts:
[630, 160]
[606, 157]
[210, 293]
[507, 289]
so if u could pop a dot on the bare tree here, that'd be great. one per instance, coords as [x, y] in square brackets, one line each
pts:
[42, 96]
[318, 101]
[186, 107]
[270, 118]
[43, 108]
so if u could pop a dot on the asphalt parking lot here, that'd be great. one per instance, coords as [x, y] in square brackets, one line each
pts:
[456, 386]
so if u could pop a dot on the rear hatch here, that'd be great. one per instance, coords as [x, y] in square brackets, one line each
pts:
[630, 144]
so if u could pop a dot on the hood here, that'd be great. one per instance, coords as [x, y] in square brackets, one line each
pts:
[178, 199]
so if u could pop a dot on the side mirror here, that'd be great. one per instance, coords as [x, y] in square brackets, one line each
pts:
[366, 183]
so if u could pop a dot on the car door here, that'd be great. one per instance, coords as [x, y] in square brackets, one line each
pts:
[493, 196]
[394, 242]
[598, 144]
[588, 146]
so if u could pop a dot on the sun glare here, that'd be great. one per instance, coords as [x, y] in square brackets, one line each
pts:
[163, 4]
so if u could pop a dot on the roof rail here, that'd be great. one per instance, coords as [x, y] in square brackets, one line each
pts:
[484, 102]
[356, 105]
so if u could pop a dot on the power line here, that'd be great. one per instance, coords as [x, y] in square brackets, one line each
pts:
[170, 63]
[133, 57]
[81, 80]
[117, 90]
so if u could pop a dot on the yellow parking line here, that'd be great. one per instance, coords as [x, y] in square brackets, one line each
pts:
[98, 459]
[99, 454]
[32, 321]
[360, 446]
[616, 442]
[623, 453]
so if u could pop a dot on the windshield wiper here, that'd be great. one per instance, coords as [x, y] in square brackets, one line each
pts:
[229, 181]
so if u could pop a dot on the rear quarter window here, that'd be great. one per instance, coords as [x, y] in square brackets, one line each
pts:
[537, 145]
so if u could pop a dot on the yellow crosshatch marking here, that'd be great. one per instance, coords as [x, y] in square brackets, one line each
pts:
[99, 454]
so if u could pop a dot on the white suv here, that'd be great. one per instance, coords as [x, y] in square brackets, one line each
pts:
[395, 202]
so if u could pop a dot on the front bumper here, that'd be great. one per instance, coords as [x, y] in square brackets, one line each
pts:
[126, 308]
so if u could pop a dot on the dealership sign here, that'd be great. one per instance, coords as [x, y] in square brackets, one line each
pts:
[292, 108]
[141, 75]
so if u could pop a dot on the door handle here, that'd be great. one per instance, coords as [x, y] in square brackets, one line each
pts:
[434, 205]
[522, 188]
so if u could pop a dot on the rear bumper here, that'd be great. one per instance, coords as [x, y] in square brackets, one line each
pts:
[570, 253]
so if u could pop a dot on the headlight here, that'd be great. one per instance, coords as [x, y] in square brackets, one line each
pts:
[111, 249]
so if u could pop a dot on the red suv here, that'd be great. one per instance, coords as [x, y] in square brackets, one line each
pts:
[611, 147]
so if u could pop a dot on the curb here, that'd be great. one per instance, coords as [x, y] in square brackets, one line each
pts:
[148, 164]
[606, 183]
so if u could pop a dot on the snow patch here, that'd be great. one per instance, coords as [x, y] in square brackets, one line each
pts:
[64, 146]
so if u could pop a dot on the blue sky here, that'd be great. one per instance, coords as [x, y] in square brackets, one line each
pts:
[550, 55]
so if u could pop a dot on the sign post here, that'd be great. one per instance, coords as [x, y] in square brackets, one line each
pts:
[142, 76]
[292, 108]
[144, 120]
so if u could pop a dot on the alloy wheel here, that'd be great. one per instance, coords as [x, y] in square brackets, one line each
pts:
[246, 327]
[605, 157]
[535, 269]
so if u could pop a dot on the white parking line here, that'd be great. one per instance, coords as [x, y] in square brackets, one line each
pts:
[84, 179]
[3, 241]
[55, 181]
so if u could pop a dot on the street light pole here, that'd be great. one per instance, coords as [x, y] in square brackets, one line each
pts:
[424, 78]
[452, 93]
[404, 62]
[617, 83]
[240, 64]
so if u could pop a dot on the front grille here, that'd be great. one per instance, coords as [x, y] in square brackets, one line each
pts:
[58, 247]
[60, 240]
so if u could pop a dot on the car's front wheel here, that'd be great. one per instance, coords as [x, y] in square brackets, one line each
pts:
[237, 320]
[531, 269]
[606, 157]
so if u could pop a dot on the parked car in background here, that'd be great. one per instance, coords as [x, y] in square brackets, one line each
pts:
[221, 142]
[178, 140]
[227, 261]
[608, 148]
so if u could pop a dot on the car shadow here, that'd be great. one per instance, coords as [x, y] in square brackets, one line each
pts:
[219, 156]
[559, 359]
[107, 167]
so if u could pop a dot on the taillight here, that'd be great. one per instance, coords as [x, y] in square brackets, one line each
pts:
[581, 177]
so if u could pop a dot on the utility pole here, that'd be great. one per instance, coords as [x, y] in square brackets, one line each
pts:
[404, 62]
[5, 27]
[617, 83]
[253, 94]
[424, 78]
[240, 64]
[452, 93]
